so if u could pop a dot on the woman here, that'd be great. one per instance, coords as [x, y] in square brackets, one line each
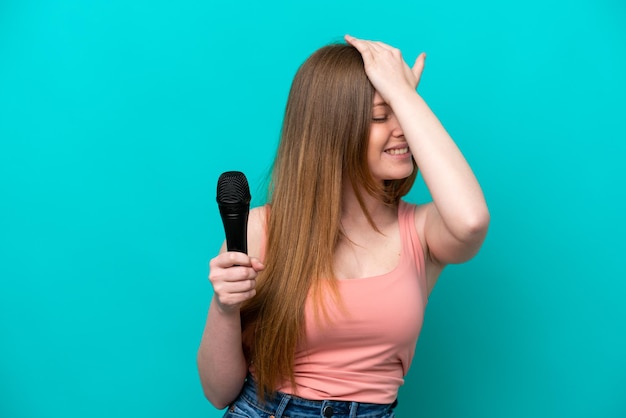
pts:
[322, 317]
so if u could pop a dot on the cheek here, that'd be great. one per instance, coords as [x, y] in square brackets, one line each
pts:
[374, 149]
[377, 138]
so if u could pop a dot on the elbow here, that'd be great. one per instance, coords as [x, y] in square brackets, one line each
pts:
[478, 223]
[214, 396]
[218, 404]
[217, 389]
[474, 226]
[217, 401]
[463, 238]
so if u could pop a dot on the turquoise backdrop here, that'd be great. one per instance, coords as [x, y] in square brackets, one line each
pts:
[117, 117]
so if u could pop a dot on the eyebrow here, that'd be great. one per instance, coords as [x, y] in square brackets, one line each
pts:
[380, 104]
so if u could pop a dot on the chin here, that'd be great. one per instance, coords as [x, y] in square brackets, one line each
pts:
[397, 177]
[403, 175]
[398, 174]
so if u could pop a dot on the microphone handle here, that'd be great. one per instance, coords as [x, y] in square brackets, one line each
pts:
[236, 231]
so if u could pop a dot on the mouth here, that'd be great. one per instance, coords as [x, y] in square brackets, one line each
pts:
[397, 151]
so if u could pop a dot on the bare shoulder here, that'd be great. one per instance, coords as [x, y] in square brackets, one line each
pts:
[433, 267]
[257, 227]
[420, 222]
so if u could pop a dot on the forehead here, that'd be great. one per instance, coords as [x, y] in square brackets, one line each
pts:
[378, 100]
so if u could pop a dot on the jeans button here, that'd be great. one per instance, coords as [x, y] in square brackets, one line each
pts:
[328, 411]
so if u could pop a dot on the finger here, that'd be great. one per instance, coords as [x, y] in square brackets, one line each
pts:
[362, 45]
[350, 39]
[229, 259]
[375, 46]
[380, 49]
[384, 46]
[241, 287]
[238, 274]
[418, 66]
[225, 279]
[232, 300]
[359, 44]
[257, 265]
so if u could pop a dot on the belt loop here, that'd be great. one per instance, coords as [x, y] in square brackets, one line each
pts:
[282, 406]
[353, 409]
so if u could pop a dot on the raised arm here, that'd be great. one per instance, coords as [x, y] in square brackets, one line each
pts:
[221, 362]
[456, 222]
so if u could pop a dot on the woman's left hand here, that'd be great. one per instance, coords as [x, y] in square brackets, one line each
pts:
[386, 68]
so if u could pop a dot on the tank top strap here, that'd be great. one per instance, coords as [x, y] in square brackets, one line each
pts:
[410, 239]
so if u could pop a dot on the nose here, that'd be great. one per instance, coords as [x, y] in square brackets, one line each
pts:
[396, 130]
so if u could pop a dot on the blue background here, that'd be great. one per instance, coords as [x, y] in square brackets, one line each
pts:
[117, 117]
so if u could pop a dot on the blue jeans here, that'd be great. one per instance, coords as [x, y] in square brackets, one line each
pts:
[283, 405]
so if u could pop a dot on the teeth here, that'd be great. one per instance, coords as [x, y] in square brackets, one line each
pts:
[398, 151]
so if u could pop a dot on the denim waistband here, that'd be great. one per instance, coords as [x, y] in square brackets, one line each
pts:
[284, 405]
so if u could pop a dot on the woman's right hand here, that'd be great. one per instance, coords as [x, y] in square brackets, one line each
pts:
[386, 69]
[233, 276]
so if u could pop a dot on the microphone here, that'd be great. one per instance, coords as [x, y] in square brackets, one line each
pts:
[233, 199]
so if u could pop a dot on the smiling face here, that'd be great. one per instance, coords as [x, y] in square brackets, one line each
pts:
[388, 154]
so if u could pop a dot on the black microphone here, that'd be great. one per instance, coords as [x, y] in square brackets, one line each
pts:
[233, 199]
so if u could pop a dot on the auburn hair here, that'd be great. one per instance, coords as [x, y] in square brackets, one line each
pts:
[323, 143]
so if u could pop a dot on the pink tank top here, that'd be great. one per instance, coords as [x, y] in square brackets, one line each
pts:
[363, 353]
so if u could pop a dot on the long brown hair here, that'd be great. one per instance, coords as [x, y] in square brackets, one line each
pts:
[324, 140]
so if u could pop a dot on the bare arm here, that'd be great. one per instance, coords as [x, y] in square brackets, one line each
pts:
[456, 222]
[221, 362]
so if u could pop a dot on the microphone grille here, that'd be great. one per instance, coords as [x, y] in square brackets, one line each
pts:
[232, 188]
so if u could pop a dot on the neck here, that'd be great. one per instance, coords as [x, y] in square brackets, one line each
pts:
[352, 213]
